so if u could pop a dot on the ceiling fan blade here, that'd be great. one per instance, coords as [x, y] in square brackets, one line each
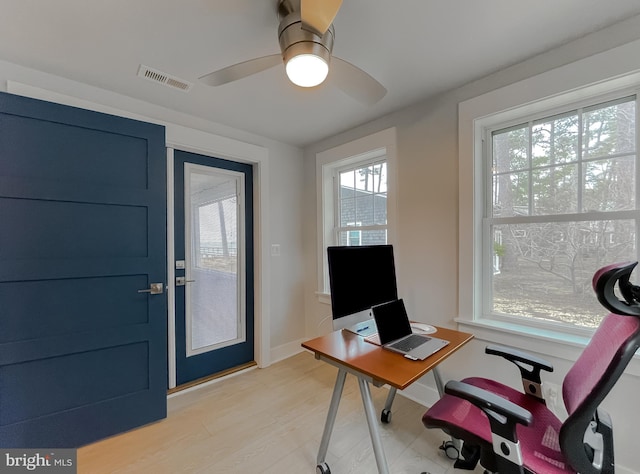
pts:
[355, 82]
[240, 70]
[317, 15]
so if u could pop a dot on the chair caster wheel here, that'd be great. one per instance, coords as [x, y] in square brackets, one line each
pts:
[385, 417]
[323, 468]
[450, 450]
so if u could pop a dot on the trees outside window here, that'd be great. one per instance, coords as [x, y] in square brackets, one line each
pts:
[563, 203]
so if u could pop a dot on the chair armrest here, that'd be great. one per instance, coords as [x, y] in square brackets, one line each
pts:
[529, 365]
[492, 404]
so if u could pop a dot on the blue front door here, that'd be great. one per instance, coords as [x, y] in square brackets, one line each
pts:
[214, 242]
[83, 349]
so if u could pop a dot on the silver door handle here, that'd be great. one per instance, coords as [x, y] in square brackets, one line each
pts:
[154, 289]
[181, 281]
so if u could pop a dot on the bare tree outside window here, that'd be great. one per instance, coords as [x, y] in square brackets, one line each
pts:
[563, 204]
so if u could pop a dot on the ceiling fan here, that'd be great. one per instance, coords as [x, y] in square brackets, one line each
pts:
[306, 37]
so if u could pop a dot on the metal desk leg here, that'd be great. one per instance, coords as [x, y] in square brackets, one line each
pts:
[331, 416]
[439, 384]
[369, 410]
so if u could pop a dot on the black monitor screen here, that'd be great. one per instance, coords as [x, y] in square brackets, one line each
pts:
[360, 277]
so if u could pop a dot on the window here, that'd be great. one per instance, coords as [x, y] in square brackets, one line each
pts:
[587, 84]
[563, 204]
[355, 195]
[361, 201]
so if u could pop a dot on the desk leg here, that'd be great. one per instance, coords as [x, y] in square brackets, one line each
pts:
[369, 410]
[331, 416]
[439, 384]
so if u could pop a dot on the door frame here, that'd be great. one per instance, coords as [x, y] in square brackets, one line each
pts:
[187, 139]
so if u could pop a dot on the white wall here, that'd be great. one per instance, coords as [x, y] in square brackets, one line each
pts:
[287, 284]
[282, 282]
[427, 234]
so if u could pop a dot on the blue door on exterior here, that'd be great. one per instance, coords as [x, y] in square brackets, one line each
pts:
[214, 265]
[83, 352]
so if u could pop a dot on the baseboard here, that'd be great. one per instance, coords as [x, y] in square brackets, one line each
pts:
[420, 393]
[624, 470]
[286, 350]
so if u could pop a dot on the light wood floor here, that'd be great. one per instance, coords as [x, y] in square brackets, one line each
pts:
[271, 421]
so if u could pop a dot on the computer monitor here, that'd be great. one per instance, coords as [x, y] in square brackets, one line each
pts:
[360, 277]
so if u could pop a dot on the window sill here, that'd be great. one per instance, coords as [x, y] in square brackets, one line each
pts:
[324, 298]
[540, 341]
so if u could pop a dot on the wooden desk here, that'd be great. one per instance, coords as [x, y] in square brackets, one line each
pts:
[370, 363]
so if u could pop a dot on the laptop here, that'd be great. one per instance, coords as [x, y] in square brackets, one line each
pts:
[394, 332]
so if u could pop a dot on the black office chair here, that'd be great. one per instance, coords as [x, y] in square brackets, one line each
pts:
[509, 431]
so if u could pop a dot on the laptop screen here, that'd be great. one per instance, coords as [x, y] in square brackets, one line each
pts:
[392, 321]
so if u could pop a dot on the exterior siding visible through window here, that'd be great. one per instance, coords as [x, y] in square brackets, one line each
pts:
[361, 203]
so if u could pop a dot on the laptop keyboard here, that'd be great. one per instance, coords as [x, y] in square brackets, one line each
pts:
[411, 342]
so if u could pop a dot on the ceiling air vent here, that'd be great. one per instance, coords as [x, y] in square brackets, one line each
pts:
[163, 78]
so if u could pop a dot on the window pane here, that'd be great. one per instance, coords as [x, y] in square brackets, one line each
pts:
[367, 237]
[363, 193]
[364, 209]
[380, 178]
[555, 190]
[543, 271]
[510, 150]
[511, 194]
[355, 237]
[609, 130]
[347, 184]
[213, 315]
[609, 184]
[555, 141]
[380, 209]
[347, 212]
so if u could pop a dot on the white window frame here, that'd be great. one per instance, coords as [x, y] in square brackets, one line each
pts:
[360, 151]
[613, 73]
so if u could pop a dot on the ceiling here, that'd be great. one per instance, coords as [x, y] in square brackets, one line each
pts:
[415, 48]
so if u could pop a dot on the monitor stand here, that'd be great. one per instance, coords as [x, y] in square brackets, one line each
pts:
[361, 323]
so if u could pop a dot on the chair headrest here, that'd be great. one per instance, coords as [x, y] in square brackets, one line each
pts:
[604, 282]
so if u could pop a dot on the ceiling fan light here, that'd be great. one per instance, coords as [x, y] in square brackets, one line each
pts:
[307, 70]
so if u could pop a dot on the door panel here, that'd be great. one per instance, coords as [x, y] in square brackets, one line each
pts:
[214, 237]
[82, 230]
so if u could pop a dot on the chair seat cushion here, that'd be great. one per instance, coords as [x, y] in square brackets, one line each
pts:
[463, 420]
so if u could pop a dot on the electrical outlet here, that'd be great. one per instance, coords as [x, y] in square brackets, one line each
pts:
[551, 393]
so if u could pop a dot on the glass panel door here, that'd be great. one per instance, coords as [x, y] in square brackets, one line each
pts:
[214, 284]
[214, 309]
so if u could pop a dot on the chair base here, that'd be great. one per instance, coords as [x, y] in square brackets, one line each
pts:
[470, 458]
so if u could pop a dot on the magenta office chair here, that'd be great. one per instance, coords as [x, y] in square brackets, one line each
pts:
[509, 431]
